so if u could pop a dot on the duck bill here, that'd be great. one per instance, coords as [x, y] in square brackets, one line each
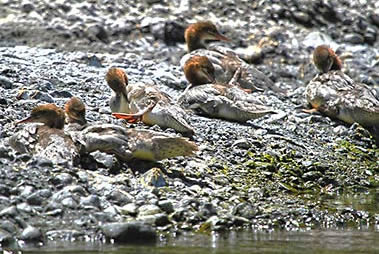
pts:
[221, 37]
[26, 120]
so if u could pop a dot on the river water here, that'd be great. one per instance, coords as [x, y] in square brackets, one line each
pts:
[363, 239]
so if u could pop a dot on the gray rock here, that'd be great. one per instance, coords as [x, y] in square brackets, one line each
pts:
[129, 209]
[6, 239]
[31, 234]
[129, 232]
[354, 38]
[166, 205]
[5, 83]
[148, 210]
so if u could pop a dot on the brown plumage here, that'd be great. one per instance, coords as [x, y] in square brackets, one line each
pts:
[208, 98]
[75, 111]
[224, 60]
[146, 103]
[325, 59]
[336, 95]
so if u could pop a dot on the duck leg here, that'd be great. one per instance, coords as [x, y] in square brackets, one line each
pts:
[133, 118]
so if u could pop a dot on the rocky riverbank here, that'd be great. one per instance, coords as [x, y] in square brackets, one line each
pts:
[269, 174]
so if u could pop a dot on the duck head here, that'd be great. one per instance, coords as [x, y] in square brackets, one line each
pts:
[117, 80]
[48, 114]
[196, 35]
[325, 59]
[75, 111]
[199, 70]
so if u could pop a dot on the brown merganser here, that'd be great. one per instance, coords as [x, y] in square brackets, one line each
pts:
[225, 61]
[117, 80]
[336, 95]
[126, 144]
[51, 141]
[207, 97]
[75, 111]
[146, 103]
[48, 140]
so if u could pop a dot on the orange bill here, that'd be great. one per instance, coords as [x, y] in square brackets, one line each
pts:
[221, 37]
[26, 120]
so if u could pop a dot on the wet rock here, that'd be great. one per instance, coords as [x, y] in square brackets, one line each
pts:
[106, 160]
[354, 38]
[31, 234]
[245, 210]
[6, 239]
[8, 226]
[5, 83]
[4, 190]
[61, 94]
[214, 223]
[118, 197]
[92, 200]
[27, 6]
[10, 211]
[158, 220]
[130, 232]
[129, 209]
[62, 179]
[166, 205]
[148, 210]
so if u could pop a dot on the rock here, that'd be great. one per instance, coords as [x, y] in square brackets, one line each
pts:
[62, 179]
[129, 209]
[166, 205]
[6, 239]
[158, 220]
[354, 38]
[5, 83]
[92, 200]
[31, 234]
[129, 232]
[148, 210]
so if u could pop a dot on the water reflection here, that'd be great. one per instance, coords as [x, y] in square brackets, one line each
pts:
[314, 241]
[362, 239]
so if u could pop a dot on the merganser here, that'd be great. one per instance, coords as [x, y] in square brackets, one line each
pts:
[146, 103]
[225, 61]
[126, 144]
[54, 143]
[48, 140]
[336, 95]
[75, 111]
[208, 98]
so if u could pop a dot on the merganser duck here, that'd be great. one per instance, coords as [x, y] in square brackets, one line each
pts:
[336, 95]
[145, 103]
[75, 111]
[52, 142]
[125, 144]
[48, 140]
[225, 61]
[206, 97]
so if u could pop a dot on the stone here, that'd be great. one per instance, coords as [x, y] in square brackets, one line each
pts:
[129, 232]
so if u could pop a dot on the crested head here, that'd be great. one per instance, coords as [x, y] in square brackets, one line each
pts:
[196, 35]
[117, 80]
[49, 114]
[199, 70]
[325, 59]
[75, 111]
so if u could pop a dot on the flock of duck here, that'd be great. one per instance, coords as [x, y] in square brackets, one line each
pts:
[221, 86]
